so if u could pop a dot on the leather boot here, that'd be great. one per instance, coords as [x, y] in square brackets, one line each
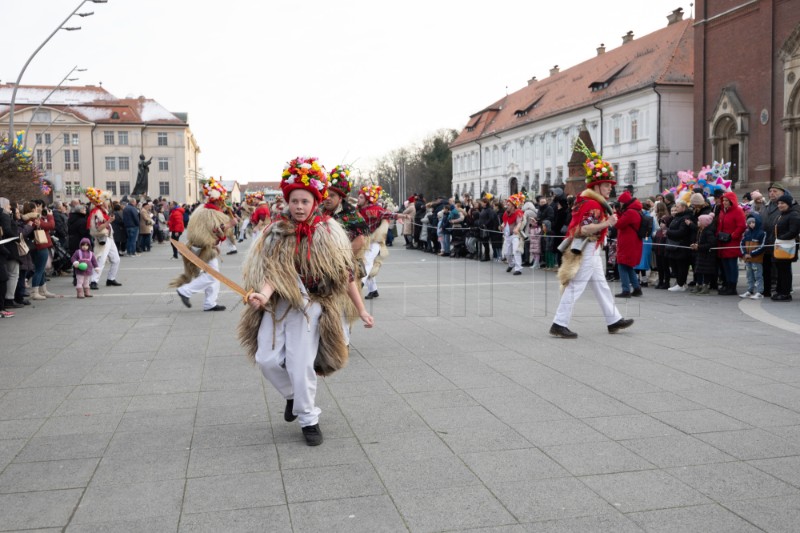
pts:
[35, 294]
[44, 292]
[80, 292]
[87, 293]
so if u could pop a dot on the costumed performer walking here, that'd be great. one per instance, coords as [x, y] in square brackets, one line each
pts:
[251, 199]
[100, 228]
[377, 219]
[208, 226]
[583, 262]
[302, 271]
[336, 206]
[513, 220]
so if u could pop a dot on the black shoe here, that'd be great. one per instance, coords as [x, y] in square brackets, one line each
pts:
[781, 298]
[22, 301]
[93, 286]
[637, 292]
[508, 269]
[216, 308]
[624, 294]
[287, 411]
[233, 252]
[622, 323]
[517, 273]
[184, 299]
[313, 435]
[563, 332]
[11, 304]
[370, 296]
[113, 283]
[484, 259]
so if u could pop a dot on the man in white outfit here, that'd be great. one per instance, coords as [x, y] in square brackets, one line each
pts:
[583, 263]
[99, 222]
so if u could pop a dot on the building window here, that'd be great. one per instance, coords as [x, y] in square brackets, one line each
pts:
[163, 164]
[76, 160]
[111, 186]
[111, 163]
[632, 172]
[48, 159]
[634, 129]
[108, 137]
[66, 139]
[47, 139]
[39, 156]
[122, 137]
[162, 138]
[163, 188]
[68, 188]
[67, 162]
[560, 175]
[615, 128]
[74, 139]
[547, 176]
[124, 164]
[547, 147]
[124, 187]
[42, 116]
[38, 138]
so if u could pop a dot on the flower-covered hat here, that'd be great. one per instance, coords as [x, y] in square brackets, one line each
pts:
[340, 180]
[305, 173]
[516, 200]
[254, 198]
[95, 196]
[371, 192]
[214, 191]
[597, 170]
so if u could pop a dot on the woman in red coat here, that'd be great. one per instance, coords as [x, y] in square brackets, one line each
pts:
[730, 228]
[629, 245]
[175, 225]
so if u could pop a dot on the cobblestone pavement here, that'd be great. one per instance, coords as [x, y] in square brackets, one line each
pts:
[129, 412]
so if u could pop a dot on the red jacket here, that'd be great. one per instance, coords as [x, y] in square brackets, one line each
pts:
[731, 222]
[175, 222]
[629, 245]
[261, 213]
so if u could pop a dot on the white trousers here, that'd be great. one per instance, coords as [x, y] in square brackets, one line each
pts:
[243, 229]
[106, 252]
[369, 260]
[512, 252]
[204, 283]
[287, 359]
[592, 272]
[12, 266]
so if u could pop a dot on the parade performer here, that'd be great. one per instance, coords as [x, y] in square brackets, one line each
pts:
[251, 199]
[583, 262]
[513, 219]
[301, 272]
[208, 226]
[99, 225]
[377, 219]
[338, 208]
[260, 218]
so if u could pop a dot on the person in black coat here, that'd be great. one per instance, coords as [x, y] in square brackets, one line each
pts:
[679, 238]
[419, 205]
[787, 227]
[705, 261]
[486, 223]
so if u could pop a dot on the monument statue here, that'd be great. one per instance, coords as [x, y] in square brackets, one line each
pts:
[141, 177]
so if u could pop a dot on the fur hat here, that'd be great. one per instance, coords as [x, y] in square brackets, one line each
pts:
[340, 180]
[516, 200]
[705, 220]
[305, 173]
[697, 199]
[215, 192]
[371, 192]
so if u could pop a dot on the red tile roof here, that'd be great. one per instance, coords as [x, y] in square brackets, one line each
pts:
[664, 57]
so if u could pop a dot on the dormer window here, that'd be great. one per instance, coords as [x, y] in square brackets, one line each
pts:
[606, 79]
[533, 105]
[115, 115]
[473, 122]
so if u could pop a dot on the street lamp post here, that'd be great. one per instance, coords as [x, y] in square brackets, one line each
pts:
[24, 67]
[28, 127]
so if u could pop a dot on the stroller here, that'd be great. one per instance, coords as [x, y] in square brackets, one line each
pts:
[61, 258]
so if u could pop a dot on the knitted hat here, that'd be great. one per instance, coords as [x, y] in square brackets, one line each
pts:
[516, 200]
[786, 198]
[215, 192]
[697, 199]
[305, 173]
[371, 192]
[625, 197]
[705, 220]
[340, 180]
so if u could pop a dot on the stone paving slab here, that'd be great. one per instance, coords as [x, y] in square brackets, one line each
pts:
[457, 412]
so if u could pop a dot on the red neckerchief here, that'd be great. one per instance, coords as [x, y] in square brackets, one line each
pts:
[512, 218]
[307, 229]
[215, 207]
[91, 216]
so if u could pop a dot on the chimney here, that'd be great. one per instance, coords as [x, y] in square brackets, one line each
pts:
[601, 49]
[532, 80]
[628, 37]
[675, 16]
[554, 70]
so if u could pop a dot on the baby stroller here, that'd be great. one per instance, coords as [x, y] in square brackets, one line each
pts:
[61, 258]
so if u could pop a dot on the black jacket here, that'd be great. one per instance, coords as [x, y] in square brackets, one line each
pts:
[680, 233]
[77, 230]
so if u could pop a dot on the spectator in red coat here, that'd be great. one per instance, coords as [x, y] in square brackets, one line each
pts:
[629, 245]
[730, 228]
[175, 225]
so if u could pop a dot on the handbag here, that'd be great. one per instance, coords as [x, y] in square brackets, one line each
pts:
[22, 246]
[39, 236]
[785, 249]
[723, 237]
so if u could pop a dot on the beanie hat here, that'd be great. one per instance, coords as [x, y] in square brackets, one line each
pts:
[371, 192]
[215, 192]
[340, 180]
[705, 220]
[786, 198]
[305, 173]
[625, 197]
[697, 199]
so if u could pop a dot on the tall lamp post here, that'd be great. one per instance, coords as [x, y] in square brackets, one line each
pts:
[21, 72]
[66, 78]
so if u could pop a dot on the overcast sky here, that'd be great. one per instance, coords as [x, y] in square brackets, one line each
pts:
[346, 81]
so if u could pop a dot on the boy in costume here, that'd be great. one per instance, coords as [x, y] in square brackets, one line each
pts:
[336, 206]
[251, 199]
[99, 225]
[583, 261]
[513, 219]
[208, 226]
[377, 219]
[301, 272]
[260, 218]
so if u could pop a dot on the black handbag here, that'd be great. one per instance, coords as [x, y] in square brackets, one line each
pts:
[723, 237]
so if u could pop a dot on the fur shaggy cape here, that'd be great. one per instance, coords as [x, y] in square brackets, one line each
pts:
[571, 262]
[277, 257]
[200, 234]
[379, 236]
